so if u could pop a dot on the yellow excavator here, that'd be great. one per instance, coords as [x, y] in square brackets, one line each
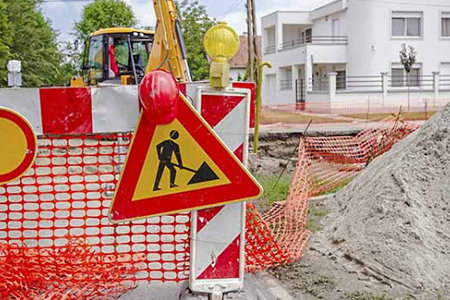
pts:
[115, 56]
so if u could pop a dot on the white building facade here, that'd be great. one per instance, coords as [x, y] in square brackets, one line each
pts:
[348, 50]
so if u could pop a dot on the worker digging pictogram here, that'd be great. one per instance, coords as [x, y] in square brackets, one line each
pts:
[166, 150]
[178, 166]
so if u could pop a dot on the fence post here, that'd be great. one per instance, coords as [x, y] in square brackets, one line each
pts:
[332, 85]
[384, 85]
[436, 83]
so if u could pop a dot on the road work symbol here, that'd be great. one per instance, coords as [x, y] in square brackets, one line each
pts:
[169, 148]
[177, 167]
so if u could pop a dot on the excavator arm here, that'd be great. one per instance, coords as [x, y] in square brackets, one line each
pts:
[168, 50]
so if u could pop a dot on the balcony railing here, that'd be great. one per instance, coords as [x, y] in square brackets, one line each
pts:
[286, 84]
[270, 49]
[444, 83]
[414, 81]
[369, 83]
[315, 40]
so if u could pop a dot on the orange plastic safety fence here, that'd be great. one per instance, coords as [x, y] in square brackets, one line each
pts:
[324, 165]
[66, 194]
[70, 272]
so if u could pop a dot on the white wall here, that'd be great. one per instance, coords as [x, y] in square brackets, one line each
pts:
[291, 32]
[367, 24]
[323, 26]
[372, 50]
[234, 73]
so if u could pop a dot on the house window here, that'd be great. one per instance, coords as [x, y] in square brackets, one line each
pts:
[285, 78]
[341, 80]
[400, 78]
[445, 24]
[406, 24]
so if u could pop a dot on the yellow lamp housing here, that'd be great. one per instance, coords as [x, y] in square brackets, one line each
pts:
[221, 43]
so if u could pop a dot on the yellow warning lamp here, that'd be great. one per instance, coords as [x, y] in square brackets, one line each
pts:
[221, 43]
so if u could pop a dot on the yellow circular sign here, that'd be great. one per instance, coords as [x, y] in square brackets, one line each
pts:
[19, 145]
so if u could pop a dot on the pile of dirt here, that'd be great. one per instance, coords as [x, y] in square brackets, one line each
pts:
[391, 224]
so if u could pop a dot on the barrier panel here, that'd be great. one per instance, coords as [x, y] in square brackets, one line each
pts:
[66, 195]
[56, 241]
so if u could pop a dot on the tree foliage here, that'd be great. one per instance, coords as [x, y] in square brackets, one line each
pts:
[195, 22]
[5, 42]
[104, 14]
[29, 37]
[407, 57]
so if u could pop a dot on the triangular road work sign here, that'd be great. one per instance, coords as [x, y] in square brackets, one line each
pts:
[178, 167]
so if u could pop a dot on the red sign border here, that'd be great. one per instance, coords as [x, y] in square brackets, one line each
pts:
[242, 186]
[31, 139]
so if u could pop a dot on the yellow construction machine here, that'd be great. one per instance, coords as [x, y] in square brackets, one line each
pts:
[116, 56]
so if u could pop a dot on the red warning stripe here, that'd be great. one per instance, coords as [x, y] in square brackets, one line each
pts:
[226, 265]
[66, 110]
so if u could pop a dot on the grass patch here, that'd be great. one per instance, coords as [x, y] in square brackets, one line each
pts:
[316, 212]
[273, 194]
[271, 116]
[301, 278]
[409, 116]
[366, 296]
[335, 189]
[316, 285]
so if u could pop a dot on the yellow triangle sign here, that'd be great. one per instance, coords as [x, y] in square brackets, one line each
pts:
[178, 167]
[175, 156]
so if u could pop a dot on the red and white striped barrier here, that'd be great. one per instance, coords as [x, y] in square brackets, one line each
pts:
[218, 237]
[75, 110]
[218, 234]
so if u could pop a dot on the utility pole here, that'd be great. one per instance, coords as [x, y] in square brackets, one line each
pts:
[255, 42]
[250, 43]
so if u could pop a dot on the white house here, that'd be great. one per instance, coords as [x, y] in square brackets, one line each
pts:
[349, 49]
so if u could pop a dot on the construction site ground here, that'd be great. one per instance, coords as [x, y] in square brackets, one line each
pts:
[317, 275]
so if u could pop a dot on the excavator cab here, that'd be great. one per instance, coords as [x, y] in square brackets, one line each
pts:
[116, 56]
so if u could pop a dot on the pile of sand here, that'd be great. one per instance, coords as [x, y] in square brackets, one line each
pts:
[392, 223]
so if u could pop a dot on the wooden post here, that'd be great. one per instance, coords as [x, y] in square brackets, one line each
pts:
[256, 61]
[251, 59]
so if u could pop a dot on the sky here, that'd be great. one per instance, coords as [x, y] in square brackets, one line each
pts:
[64, 13]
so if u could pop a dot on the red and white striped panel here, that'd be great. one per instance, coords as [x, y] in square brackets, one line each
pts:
[190, 90]
[218, 234]
[75, 110]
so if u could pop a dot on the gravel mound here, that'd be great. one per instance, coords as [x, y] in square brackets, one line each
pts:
[392, 223]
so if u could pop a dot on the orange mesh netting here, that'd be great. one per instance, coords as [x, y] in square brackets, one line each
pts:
[57, 243]
[66, 194]
[324, 164]
[70, 272]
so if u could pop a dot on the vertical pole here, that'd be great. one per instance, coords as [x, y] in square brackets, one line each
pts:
[258, 105]
[251, 60]
[436, 82]
[255, 41]
[407, 82]
[332, 85]
[384, 87]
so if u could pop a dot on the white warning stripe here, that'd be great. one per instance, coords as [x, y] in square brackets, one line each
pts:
[231, 129]
[115, 109]
[26, 102]
[219, 233]
[212, 240]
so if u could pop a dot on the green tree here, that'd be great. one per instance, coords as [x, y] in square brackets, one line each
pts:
[104, 14]
[5, 43]
[195, 22]
[33, 42]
